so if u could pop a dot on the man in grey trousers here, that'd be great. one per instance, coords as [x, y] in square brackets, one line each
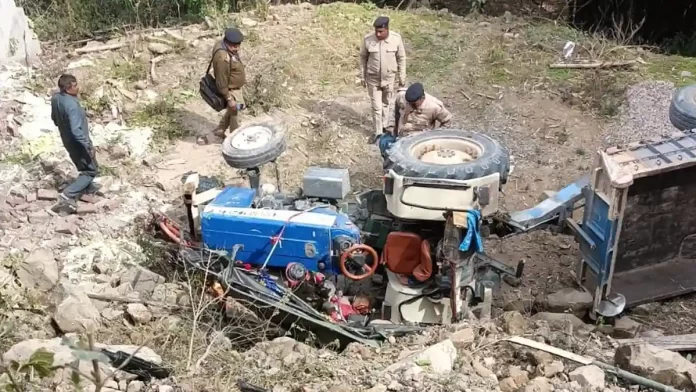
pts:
[71, 120]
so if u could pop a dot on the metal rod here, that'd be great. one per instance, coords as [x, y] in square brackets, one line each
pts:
[277, 174]
[636, 379]
[189, 215]
[254, 175]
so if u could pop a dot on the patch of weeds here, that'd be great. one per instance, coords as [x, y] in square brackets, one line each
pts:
[495, 61]
[252, 37]
[161, 115]
[560, 75]
[496, 54]
[551, 36]
[670, 68]
[497, 75]
[267, 89]
[603, 92]
[17, 158]
[96, 104]
[260, 8]
[131, 71]
[38, 84]
[104, 170]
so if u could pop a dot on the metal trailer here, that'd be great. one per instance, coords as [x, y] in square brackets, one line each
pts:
[637, 235]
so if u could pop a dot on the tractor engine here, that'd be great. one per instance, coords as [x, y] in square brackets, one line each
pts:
[308, 229]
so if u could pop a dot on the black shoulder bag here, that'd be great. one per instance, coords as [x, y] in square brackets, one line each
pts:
[209, 91]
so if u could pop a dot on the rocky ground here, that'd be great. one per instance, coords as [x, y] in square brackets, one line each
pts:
[94, 277]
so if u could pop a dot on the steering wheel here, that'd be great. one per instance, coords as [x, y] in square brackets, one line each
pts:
[348, 254]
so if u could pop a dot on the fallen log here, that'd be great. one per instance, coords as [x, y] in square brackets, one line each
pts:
[159, 40]
[100, 48]
[600, 65]
[174, 35]
[673, 343]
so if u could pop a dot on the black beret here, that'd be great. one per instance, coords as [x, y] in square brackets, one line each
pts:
[414, 92]
[234, 36]
[381, 23]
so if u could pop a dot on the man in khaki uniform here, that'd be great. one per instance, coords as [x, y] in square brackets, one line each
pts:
[382, 59]
[414, 111]
[230, 77]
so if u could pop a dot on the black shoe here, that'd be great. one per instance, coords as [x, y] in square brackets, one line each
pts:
[65, 205]
[94, 189]
[373, 139]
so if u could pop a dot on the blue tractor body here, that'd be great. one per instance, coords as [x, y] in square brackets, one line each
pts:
[313, 237]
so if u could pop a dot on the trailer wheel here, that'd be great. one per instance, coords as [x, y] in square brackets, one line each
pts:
[682, 110]
[449, 154]
[253, 145]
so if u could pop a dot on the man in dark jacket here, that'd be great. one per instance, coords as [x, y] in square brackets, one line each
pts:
[71, 120]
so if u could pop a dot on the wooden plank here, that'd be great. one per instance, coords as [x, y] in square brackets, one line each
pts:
[206, 196]
[551, 350]
[685, 342]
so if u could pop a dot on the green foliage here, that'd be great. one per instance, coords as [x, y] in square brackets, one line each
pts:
[161, 115]
[433, 42]
[20, 373]
[477, 5]
[81, 351]
[17, 158]
[72, 19]
[129, 70]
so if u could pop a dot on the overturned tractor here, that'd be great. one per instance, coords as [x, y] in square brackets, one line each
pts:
[411, 253]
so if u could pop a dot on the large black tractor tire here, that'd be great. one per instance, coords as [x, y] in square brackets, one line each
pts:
[492, 157]
[682, 110]
[250, 155]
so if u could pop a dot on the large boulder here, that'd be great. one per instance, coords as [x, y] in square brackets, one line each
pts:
[568, 299]
[76, 312]
[655, 363]
[39, 270]
[17, 39]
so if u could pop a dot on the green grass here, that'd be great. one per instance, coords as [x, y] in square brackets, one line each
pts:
[433, 45]
[162, 116]
[130, 71]
[17, 158]
[669, 68]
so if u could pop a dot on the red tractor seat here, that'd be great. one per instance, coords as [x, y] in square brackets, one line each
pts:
[407, 254]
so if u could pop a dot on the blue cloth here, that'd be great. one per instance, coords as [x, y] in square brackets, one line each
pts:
[385, 142]
[265, 279]
[473, 236]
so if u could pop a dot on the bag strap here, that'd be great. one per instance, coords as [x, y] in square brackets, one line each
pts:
[211, 60]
